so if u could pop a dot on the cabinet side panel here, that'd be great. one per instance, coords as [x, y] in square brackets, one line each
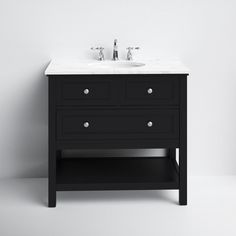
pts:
[51, 143]
[183, 142]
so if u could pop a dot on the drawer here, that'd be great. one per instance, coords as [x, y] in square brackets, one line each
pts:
[163, 90]
[117, 124]
[85, 91]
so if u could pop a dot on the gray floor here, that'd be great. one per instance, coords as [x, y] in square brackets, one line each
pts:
[211, 210]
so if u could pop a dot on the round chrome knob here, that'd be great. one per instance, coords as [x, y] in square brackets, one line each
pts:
[150, 91]
[149, 124]
[86, 124]
[86, 91]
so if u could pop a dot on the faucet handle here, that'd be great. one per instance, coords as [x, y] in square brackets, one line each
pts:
[97, 48]
[129, 53]
[133, 48]
[100, 53]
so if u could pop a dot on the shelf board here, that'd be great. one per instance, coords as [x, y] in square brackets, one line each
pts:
[116, 173]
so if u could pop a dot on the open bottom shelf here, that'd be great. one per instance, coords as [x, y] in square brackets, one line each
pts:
[116, 174]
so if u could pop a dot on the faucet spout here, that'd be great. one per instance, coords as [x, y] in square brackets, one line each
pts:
[115, 51]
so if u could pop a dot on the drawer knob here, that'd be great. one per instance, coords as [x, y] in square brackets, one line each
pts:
[149, 124]
[150, 91]
[86, 124]
[86, 91]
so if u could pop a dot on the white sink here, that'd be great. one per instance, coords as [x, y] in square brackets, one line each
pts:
[116, 64]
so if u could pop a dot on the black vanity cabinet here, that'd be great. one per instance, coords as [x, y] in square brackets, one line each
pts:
[117, 112]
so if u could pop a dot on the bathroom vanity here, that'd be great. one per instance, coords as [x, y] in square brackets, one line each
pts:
[117, 105]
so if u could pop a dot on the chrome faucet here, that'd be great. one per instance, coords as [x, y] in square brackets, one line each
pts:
[115, 51]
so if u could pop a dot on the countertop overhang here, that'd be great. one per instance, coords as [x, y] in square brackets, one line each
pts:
[89, 67]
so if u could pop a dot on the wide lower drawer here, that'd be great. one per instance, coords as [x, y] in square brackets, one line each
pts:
[98, 124]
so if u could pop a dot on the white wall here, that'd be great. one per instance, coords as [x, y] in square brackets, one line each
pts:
[201, 33]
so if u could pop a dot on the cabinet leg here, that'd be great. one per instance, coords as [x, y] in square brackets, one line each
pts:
[182, 196]
[183, 175]
[52, 179]
[52, 198]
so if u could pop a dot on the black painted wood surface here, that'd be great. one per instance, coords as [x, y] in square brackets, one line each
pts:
[118, 109]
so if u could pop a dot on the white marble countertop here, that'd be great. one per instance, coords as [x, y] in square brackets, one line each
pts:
[73, 67]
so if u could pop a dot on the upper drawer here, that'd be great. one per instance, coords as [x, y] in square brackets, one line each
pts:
[84, 91]
[146, 90]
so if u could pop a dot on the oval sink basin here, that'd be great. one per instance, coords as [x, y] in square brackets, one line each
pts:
[117, 64]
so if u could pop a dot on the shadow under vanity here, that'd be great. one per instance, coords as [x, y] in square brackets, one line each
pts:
[117, 109]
